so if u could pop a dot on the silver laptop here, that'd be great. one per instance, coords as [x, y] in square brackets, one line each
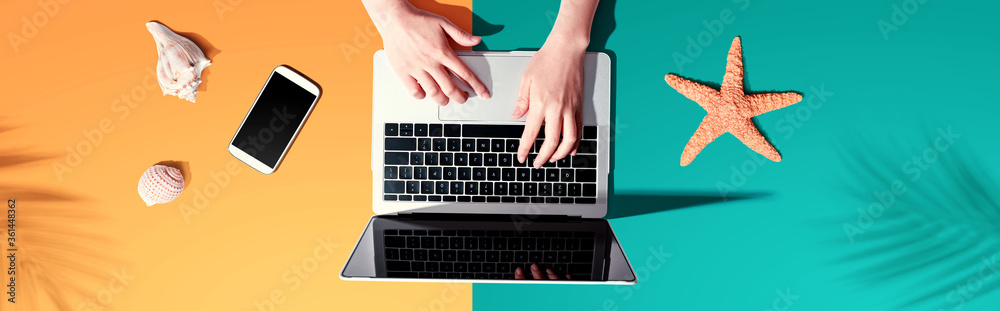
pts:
[453, 203]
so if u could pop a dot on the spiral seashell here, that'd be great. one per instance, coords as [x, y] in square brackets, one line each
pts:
[160, 184]
[180, 62]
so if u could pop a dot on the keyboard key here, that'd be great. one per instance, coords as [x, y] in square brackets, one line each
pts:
[441, 187]
[391, 253]
[482, 145]
[545, 189]
[440, 144]
[500, 188]
[564, 162]
[479, 199]
[427, 187]
[574, 190]
[420, 130]
[397, 158]
[454, 144]
[405, 172]
[587, 146]
[452, 130]
[589, 132]
[405, 198]
[393, 265]
[583, 256]
[479, 173]
[559, 189]
[586, 200]
[430, 158]
[434, 173]
[398, 143]
[530, 189]
[542, 244]
[566, 175]
[505, 159]
[493, 199]
[472, 188]
[476, 159]
[449, 173]
[490, 159]
[523, 174]
[446, 158]
[586, 175]
[395, 241]
[493, 173]
[391, 129]
[585, 161]
[551, 174]
[497, 145]
[461, 159]
[468, 145]
[493, 131]
[589, 190]
[486, 188]
[508, 174]
[416, 158]
[454, 243]
[434, 130]
[388, 197]
[391, 172]
[413, 187]
[406, 129]
[424, 144]
[465, 173]
[394, 186]
[537, 174]
[449, 198]
[512, 145]
[551, 200]
[457, 187]
[420, 172]
[515, 188]
[464, 255]
[412, 242]
[439, 243]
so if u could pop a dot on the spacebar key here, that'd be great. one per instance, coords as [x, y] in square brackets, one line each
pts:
[492, 130]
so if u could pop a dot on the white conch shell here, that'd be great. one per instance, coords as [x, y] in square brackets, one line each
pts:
[181, 62]
[160, 184]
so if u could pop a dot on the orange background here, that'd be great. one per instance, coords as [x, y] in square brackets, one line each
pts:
[81, 219]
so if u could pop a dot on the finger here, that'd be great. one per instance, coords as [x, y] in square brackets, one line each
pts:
[518, 273]
[443, 79]
[459, 35]
[531, 128]
[411, 85]
[579, 130]
[431, 88]
[553, 125]
[536, 272]
[568, 277]
[552, 274]
[458, 67]
[569, 136]
[523, 99]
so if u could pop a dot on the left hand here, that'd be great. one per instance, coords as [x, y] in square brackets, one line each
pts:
[552, 92]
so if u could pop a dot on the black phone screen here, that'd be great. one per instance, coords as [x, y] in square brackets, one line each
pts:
[273, 120]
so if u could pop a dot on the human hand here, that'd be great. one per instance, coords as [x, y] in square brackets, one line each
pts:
[536, 273]
[416, 43]
[552, 91]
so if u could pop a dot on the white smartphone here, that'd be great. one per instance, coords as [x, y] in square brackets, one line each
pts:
[274, 120]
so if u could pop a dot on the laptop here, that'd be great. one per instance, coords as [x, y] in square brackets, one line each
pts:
[454, 204]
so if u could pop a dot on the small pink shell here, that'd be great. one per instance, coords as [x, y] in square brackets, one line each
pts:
[160, 184]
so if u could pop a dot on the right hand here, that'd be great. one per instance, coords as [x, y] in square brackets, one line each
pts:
[416, 43]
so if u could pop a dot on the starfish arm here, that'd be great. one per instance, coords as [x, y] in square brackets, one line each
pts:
[762, 103]
[711, 128]
[732, 81]
[701, 94]
[747, 133]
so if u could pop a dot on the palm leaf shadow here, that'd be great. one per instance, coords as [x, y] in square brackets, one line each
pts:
[938, 230]
[60, 255]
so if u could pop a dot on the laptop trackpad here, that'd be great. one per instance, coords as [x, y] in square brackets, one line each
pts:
[503, 85]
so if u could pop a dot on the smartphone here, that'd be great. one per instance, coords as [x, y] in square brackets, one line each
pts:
[276, 117]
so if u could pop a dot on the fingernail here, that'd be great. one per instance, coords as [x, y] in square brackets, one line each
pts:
[534, 267]
[574, 152]
[486, 95]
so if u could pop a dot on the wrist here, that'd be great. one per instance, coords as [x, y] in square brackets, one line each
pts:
[387, 13]
[568, 41]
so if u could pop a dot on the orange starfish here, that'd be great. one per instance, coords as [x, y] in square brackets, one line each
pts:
[730, 109]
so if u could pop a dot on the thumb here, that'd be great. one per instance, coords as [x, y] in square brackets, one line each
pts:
[522, 99]
[459, 35]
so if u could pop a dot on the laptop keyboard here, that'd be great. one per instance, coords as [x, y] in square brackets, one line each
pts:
[478, 254]
[478, 163]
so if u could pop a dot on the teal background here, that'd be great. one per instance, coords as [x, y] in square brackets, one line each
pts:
[784, 228]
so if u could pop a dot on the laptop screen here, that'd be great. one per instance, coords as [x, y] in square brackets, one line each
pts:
[488, 248]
